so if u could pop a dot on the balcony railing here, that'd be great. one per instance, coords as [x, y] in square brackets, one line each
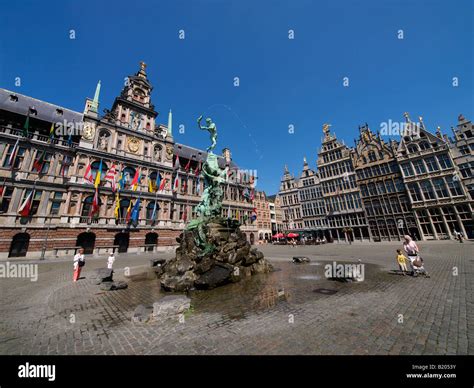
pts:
[35, 136]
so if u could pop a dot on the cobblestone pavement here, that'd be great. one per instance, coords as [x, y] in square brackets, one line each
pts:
[279, 313]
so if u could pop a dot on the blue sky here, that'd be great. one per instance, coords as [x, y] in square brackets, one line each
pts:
[283, 82]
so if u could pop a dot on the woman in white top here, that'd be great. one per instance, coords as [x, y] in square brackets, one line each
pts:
[110, 261]
[411, 250]
[79, 262]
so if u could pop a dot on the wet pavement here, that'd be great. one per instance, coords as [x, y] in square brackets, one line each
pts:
[293, 310]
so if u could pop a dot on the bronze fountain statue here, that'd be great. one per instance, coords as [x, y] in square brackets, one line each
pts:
[212, 251]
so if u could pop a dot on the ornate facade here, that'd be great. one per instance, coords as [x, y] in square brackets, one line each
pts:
[422, 186]
[263, 222]
[276, 215]
[345, 213]
[290, 202]
[383, 192]
[437, 194]
[128, 137]
[463, 152]
[313, 205]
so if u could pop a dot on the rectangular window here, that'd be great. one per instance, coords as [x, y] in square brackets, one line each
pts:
[454, 186]
[431, 164]
[427, 190]
[419, 166]
[46, 163]
[440, 188]
[389, 185]
[36, 200]
[399, 185]
[18, 159]
[444, 161]
[407, 169]
[7, 197]
[415, 192]
[56, 203]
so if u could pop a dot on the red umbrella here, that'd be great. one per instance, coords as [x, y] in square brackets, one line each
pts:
[292, 235]
[278, 235]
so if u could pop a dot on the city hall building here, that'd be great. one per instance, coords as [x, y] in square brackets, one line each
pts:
[116, 181]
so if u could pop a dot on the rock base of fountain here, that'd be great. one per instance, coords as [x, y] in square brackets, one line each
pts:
[231, 259]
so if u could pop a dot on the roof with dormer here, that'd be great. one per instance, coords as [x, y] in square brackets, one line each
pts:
[41, 110]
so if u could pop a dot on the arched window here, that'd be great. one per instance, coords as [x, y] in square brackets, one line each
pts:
[124, 204]
[150, 219]
[412, 148]
[87, 206]
[128, 175]
[103, 139]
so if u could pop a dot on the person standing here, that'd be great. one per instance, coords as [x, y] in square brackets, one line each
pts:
[402, 262]
[79, 262]
[110, 261]
[411, 249]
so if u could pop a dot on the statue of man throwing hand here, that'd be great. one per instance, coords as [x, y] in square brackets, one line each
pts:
[212, 129]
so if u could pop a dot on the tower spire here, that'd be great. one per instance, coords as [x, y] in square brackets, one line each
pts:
[95, 101]
[170, 124]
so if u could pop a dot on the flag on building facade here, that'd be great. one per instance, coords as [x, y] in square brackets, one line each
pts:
[11, 160]
[176, 163]
[129, 212]
[88, 174]
[188, 166]
[156, 207]
[176, 183]
[185, 213]
[157, 181]
[121, 180]
[95, 203]
[163, 184]
[117, 207]
[51, 132]
[64, 164]
[25, 208]
[134, 217]
[135, 180]
[111, 177]
[151, 186]
[198, 185]
[26, 127]
[38, 163]
[98, 175]
[253, 216]
[197, 171]
[2, 192]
